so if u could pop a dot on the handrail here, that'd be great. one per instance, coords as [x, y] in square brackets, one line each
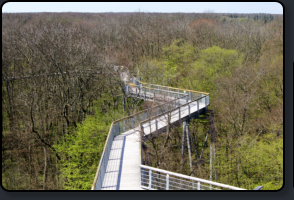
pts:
[159, 89]
[188, 178]
[109, 133]
[103, 152]
[107, 143]
[147, 109]
[172, 87]
[172, 109]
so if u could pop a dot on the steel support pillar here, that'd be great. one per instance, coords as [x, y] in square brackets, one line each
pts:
[188, 144]
[183, 146]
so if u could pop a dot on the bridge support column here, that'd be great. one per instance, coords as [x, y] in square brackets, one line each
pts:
[183, 146]
[212, 146]
[188, 144]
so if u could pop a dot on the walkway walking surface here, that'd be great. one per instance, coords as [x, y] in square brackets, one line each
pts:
[123, 171]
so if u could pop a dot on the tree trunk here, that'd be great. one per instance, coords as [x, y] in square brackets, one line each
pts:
[45, 168]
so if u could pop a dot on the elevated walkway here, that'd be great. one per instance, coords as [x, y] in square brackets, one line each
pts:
[120, 167]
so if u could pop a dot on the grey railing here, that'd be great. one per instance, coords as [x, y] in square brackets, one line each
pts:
[173, 98]
[130, 122]
[158, 179]
[153, 92]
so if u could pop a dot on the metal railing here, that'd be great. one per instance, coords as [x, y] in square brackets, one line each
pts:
[171, 100]
[177, 110]
[122, 125]
[158, 179]
[149, 91]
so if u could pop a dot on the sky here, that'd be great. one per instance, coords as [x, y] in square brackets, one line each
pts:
[163, 7]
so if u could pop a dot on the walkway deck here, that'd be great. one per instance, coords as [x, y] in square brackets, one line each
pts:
[123, 171]
[120, 166]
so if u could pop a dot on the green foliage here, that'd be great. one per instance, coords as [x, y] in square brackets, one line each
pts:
[81, 150]
[247, 97]
[177, 57]
[243, 20]
[248, 163]
[214, 62]
[151, 69]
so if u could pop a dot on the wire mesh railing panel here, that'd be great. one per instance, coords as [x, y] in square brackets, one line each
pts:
[105, 156]
[157, 179]
[195, 96]
[170, 99]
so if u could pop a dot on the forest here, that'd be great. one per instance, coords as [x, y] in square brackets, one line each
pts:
[60, 93]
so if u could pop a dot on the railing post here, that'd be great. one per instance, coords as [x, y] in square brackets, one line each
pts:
[197, 108]
[178, 93]
[167, 182]
[150, 178]
[117, 128]
[141, 175]
[205, 104]
[124, 104]
[199, 186]
[187, 99]
[190, 96]
[140, 129]
[189, 111]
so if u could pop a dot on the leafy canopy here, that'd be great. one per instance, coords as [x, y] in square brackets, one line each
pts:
[82, 149]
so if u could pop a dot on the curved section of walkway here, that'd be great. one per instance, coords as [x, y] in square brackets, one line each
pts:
[119, 167]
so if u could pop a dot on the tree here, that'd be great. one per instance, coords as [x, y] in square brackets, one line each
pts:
[177, 58]
[82, 149]
[213, 63]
